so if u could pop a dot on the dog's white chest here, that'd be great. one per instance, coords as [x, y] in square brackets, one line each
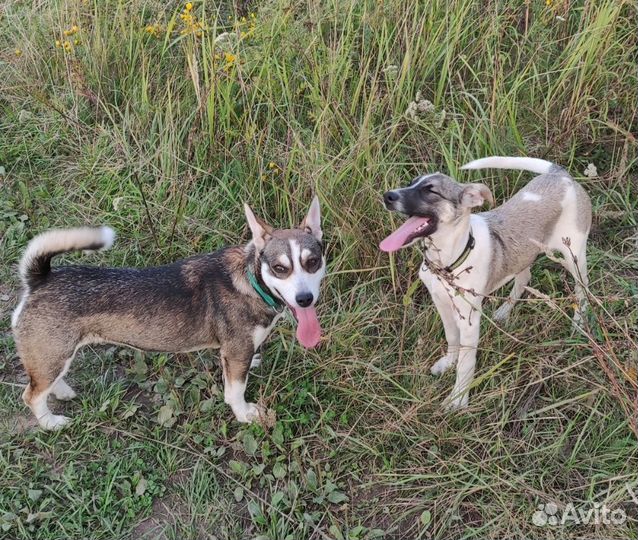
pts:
[260, 333]
[436, 286]
[426, 277]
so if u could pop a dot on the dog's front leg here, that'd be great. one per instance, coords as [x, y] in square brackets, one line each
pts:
[469, 329]
[235, 365]
[444, 305]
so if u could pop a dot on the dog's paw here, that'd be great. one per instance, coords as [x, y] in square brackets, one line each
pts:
[454, 402]
[53, 422]
[256, 361]
[63, 391]
[579, 321]
[502, 313]
[442, 365]
[249, 413]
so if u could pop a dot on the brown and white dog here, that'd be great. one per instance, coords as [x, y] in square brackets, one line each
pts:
[468, 256]
[229, 299]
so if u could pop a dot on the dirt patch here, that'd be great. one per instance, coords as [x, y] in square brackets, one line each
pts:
[166, 514]
[161, 520]
[8, 302]
[379, 503]
[18, 424]
[13, 371]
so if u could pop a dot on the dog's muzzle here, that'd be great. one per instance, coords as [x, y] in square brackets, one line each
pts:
[390, 199]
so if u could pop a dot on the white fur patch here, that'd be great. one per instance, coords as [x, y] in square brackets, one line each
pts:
[260, 333]
[108, 236]
[62, 391]
[16, 312]
[284, 260]
[529, 196]
[40, 408]
[539, 166]
[61, 240]
[298, 281]
[234, 396]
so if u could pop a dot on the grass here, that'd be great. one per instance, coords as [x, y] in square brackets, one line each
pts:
[164, 134]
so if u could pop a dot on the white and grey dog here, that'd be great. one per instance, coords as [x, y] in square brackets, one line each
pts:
[468, 256]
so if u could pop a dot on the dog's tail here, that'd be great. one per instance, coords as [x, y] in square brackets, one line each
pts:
[36, 261]
[539, 166]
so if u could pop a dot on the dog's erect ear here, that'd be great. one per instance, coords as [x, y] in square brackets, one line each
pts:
[312, 222]
[476, 195]
[258, 227]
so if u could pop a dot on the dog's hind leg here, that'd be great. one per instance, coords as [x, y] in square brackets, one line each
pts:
[520, 282]
[574, 259]
[62, 391]
[44, 380]
[469, 337]
[236, 361]
[576, 264]
[256, 361]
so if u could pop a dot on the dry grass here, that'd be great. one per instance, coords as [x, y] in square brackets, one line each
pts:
[162, 135]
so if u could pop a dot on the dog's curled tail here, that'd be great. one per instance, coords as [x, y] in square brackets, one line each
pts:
[539, 166]
[36, 261]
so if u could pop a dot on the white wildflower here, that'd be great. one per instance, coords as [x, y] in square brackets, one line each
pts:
[24, 116]
[424, 108]
[410, 112]
[225, 37]
[423, 105]
[391, 72]
[591, 171]
[117, 203]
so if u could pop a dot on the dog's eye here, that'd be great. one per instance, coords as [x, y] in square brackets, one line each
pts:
[279, 269]
[312, 262]
[428, 189]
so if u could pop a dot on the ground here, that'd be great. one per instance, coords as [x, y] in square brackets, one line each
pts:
[160, 119]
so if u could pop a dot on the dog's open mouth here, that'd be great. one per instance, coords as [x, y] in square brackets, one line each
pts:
[414, 227]
[308, 328]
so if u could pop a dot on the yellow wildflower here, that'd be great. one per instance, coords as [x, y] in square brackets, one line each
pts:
[18, 52]
[246, 27]
[58, 44]
[153, 29]
[191, 24]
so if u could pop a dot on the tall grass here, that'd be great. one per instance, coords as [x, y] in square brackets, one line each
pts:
[163, 134]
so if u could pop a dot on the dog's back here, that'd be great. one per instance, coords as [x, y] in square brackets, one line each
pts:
[550, 207]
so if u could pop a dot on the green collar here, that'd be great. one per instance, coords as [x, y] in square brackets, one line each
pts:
[267, 298]
[461, 259]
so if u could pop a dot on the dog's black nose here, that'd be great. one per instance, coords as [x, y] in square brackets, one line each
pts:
[390, 197]
[304, 299]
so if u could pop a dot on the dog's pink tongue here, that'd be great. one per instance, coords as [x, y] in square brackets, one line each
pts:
[308, 329]
[399, 237]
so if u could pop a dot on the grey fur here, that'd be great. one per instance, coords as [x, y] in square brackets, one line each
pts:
[521, 224]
